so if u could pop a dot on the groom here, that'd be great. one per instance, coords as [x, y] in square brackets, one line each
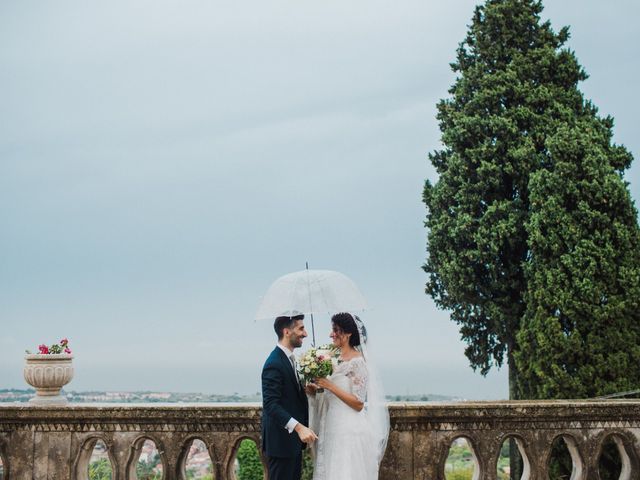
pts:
[284, 404]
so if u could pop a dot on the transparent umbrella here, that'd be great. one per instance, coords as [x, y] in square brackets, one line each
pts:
[311, 292]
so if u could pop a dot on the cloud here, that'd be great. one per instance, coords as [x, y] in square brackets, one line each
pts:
[165, 161]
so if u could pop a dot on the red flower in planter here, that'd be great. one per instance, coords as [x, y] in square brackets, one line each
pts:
[62, 347]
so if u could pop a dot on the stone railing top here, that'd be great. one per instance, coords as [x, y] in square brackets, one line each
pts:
[517, 409]
[393, 405]
[461, 405]
[524, 410]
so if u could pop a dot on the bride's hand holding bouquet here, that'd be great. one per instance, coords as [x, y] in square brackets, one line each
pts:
[322, 383]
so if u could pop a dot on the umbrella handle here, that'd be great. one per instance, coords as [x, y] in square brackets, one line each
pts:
[313, 332]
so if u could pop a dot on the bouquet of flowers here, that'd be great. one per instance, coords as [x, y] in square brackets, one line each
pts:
[317, 362]
[62, 347]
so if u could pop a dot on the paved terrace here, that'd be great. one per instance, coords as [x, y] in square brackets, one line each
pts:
[57, 442]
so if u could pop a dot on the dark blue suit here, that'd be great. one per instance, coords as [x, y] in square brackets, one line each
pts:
[282, 399]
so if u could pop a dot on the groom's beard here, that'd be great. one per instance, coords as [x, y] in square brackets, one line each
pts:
[296, 342]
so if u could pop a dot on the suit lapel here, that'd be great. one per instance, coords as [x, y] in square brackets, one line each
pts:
[288, 366]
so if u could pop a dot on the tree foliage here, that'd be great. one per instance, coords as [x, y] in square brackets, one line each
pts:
[100, 470]
[250, 467]
[580, 334]
[513, 76]
[150, 469]
[249, 464]
[520, 144]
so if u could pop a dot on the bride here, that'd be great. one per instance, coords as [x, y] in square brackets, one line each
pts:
[350, 417]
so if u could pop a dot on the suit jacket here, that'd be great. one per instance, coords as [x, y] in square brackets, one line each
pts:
[282, 398]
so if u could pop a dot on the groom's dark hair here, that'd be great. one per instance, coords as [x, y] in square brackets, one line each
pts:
[285, 322]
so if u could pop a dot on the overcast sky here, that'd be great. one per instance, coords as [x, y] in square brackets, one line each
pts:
[162, 162]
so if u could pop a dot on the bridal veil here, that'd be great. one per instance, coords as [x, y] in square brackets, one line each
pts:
[375, 406]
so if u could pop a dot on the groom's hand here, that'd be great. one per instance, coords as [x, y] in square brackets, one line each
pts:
[306, 434]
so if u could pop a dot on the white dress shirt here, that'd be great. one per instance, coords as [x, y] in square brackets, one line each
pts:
[291, 424]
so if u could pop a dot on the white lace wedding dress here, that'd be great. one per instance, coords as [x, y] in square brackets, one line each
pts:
[346, 447]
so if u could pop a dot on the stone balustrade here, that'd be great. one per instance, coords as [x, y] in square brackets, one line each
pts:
[56, 442]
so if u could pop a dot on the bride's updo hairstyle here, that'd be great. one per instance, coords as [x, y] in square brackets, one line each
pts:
[346, 323]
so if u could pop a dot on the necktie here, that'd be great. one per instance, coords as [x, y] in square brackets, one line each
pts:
[293, 364]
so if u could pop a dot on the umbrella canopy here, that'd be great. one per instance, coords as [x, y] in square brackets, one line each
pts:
[309, 292]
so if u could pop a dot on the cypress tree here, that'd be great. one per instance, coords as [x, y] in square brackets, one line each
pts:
[580, 334]
[532, 235]
[515, 84]
[533, 241]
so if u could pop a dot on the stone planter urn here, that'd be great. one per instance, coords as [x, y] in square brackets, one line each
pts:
[48, 373]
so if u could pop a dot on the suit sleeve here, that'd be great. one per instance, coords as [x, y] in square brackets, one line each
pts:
[272, 386]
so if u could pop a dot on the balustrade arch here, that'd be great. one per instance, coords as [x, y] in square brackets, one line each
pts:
[625, 445]
[523, 449]
[184, 454]
[85, 452]
[232, 455]
[477, 467]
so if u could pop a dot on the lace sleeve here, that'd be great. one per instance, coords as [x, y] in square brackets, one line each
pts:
[359, 377]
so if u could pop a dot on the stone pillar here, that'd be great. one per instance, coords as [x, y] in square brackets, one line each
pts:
[398, 459]
[122, 450]
[429, 448]
[170, 449]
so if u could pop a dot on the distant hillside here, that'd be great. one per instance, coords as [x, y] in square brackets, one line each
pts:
[429, 397]
[17, 395]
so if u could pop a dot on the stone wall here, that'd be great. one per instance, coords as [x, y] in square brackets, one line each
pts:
[57, 442]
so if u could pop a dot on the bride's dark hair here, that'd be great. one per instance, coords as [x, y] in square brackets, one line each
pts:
[347, 324]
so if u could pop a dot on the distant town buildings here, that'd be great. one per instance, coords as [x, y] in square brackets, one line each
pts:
[17, 395]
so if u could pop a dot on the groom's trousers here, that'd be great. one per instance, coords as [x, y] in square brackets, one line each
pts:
[289, 468]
